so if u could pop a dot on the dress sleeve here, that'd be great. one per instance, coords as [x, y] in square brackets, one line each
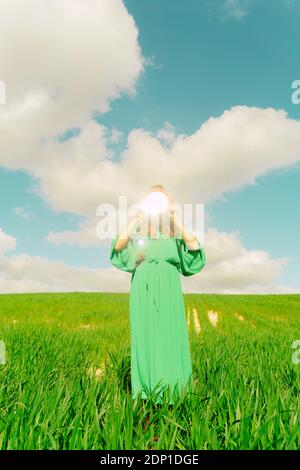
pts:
[124, 259]
[191, 261]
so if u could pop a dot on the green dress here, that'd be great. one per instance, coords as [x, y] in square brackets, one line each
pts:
[160, 352]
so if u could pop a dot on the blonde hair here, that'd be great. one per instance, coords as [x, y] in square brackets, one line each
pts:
[158, 187]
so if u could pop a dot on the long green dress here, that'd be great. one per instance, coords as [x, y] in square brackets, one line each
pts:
[160, 352]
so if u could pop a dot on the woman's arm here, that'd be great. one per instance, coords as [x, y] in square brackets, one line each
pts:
[188, 238]
[124, 237]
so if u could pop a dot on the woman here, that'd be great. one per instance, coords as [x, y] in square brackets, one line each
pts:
[160, 353]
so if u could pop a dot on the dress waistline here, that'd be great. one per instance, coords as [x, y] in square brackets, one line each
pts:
[152, 260]
[156, 260]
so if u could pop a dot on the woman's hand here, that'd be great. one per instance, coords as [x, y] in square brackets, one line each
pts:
[123, 238]
[172, 213]
[190, 240]
[179, 229]
[174, 221]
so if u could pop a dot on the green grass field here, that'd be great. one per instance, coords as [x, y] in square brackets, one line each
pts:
[66, 380]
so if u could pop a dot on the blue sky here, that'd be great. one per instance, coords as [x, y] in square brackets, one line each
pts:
[203, 58]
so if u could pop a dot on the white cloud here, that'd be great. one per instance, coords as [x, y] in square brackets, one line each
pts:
[225, 10]
[23, 212]
[26, 273]
[235, 8]
[225, 154]
[230, 268]
[115, 136]
[73, 58]
[167, 134]
[7, 242]
[85, 236]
